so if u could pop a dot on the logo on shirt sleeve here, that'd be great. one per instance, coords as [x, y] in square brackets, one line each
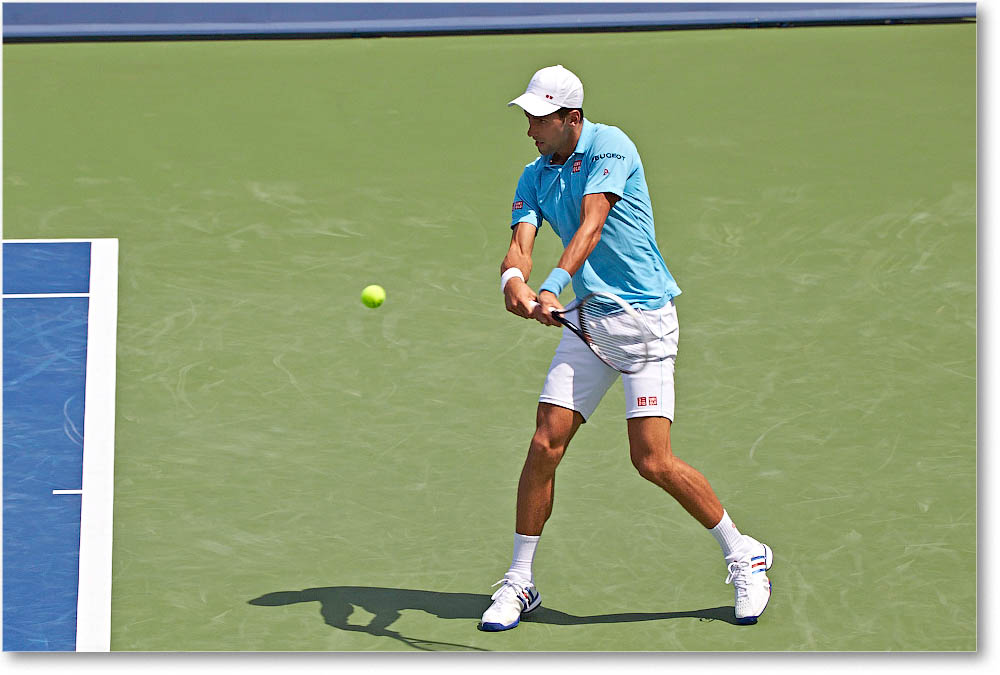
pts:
[606, 165]
[607, 155]
[576, 165]
[518, 205]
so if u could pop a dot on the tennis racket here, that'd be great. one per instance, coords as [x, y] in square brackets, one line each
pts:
[612, 329]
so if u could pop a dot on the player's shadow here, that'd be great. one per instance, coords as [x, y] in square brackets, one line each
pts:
[337, 603]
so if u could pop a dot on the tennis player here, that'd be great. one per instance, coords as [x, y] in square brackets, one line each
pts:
[588, 183]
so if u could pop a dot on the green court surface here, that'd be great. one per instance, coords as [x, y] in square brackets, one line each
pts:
[295, 471]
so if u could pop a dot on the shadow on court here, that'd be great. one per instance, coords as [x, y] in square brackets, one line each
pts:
[338, 602]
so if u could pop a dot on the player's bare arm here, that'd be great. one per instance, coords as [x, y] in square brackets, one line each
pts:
[518, 296]
[594, 209]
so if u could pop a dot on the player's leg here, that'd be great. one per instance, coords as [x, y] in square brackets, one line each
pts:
[650, 411]
[517, 595]
[575, 384]
[649, 447]
[554, 428]
[747, 559]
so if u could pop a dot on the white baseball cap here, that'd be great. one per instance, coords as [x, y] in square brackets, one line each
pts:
[550, 89]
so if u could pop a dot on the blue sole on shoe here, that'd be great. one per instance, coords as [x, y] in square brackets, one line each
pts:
[494, 627]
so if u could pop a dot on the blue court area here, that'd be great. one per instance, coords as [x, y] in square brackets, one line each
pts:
[49, 267]
[44, 386]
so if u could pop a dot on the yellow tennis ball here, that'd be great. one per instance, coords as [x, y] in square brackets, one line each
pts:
[373, 295]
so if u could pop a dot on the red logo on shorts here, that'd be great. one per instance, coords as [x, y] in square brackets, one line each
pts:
[576, 165]
[517, 205]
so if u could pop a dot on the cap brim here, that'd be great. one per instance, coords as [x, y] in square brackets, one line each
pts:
[534, 105]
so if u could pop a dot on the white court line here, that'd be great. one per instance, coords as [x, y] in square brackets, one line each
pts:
[67, 492]
[93, 615]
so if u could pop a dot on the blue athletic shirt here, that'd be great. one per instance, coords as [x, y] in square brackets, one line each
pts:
[626, 260]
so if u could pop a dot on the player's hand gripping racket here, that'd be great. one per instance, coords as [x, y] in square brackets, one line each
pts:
[612, 329]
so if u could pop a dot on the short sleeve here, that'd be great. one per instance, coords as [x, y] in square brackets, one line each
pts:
[525, 207]
[612, 159]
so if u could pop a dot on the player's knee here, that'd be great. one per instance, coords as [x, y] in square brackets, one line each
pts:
[656, 468]
[545, 452]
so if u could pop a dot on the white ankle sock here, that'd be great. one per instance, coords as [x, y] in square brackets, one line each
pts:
[728, 536]
[524, 555]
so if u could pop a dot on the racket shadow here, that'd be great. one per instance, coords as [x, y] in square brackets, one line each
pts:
[337, 603]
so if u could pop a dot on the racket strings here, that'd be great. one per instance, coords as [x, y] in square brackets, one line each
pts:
[615, 335]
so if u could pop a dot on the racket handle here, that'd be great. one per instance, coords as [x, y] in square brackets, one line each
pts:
[532, 304]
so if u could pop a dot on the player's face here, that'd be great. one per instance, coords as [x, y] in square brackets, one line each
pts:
[551, 133]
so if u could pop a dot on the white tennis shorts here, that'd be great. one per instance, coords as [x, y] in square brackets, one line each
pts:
[578, 380]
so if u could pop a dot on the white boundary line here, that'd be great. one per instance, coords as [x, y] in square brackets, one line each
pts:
[93, 614]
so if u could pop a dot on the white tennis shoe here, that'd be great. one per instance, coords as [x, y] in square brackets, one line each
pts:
[511, 600]
[748, 575]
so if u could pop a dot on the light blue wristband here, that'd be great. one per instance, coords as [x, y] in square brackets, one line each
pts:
[557, 280]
